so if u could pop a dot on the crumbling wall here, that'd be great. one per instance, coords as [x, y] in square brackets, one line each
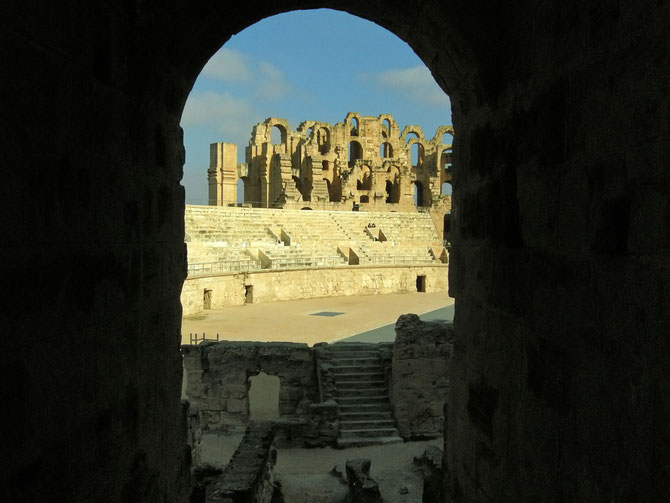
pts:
[217, 379]
[248, 477]
[312, 165]
[420, 386]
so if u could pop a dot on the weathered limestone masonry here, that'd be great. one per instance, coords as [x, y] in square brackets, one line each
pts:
[560, 379]
[248, 477]
[363, 160]
[420, 388]
[245, 255]
[228, 289]
[217, 380]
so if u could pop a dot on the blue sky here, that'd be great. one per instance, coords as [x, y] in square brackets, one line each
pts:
[304, 65]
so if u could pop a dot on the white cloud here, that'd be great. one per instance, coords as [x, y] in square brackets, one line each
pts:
[271, 83]
[228, 65]
[223, 111]
[415, 83]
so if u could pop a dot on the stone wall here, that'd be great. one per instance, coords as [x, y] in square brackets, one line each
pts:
[248, 477]
[272, 286]
[217, 380]
[420, 385]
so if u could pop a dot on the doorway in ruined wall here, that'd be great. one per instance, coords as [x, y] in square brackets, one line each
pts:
[264, 397]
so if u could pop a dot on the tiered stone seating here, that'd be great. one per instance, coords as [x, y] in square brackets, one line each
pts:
[222, 234]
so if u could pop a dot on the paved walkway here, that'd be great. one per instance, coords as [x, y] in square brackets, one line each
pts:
[369, 318]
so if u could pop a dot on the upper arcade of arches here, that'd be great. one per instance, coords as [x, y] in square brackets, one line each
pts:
[358, 148]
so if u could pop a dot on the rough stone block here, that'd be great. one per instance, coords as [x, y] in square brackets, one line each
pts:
[362, 487]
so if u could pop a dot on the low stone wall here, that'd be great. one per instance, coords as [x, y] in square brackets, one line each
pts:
[421, 356]
[248, 477]
[217, 380]
[272, 286]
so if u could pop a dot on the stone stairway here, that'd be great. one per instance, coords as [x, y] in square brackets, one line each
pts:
[365, 415]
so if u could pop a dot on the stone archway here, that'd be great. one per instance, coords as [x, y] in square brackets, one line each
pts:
[557, 248]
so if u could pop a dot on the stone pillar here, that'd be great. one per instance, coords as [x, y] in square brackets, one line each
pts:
[222, 173]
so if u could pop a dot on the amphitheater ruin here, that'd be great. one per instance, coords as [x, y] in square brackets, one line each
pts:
[364, 161]
[326, 211]
[270, 249]
[559, 377]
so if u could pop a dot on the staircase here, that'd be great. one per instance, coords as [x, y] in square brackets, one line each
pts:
[365, 415]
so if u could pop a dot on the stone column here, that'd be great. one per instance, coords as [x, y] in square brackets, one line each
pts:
[222, 173]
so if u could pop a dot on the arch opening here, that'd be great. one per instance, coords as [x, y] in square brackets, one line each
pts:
[278, 135]
[355, 152]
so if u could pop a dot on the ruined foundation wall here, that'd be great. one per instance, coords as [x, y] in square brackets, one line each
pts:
[272, 286]
[217, 380]
[420, 385]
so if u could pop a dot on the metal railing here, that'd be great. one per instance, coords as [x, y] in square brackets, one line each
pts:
[222, 266]
[395, 260]
[195, 339]
[301, 262]
[284, 263]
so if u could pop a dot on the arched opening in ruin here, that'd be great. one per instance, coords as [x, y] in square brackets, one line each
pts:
[278, 135]
[417, 152]
[445, 189]
[323, 139]
[386, 128]
[354, 126]
[385, 150]
[365, 199]
[364, 181]
[534, 357]
[355, 152]
[324, 166]
[264, 397]
[418, 194]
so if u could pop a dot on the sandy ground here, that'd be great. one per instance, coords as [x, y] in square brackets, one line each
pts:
[305, 473]
[294, 321]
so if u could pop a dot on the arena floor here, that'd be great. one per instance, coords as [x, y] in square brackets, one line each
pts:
[367, 318]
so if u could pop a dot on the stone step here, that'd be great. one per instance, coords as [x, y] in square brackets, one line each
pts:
[357, 385]
[365, 393]
[361, 416]
[377, 399]
[359, 376]
[365, 408]
[343, 443]
[350, 369]
[353, 354]
[349, 361]
[366, 424]
[372, 432]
